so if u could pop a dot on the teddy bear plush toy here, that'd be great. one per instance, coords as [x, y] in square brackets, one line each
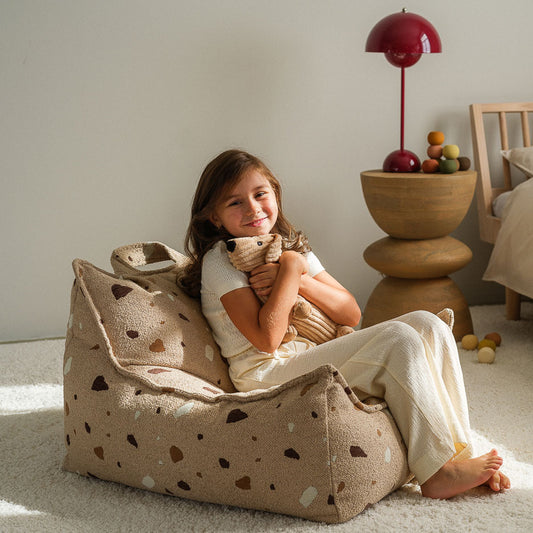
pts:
[306, 320]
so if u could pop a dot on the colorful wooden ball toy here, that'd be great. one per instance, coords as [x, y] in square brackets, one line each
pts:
[450, 151]
[495, 337]
[486, 355]
[434, 151]
[435, 137]
[469, 342]
[486, 342]
[430, 166]
[448, 166]
[464, 163]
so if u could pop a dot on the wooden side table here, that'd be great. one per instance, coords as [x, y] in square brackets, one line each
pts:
[418, 211]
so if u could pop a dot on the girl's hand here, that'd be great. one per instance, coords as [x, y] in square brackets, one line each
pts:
[262, 278]
[294, 260]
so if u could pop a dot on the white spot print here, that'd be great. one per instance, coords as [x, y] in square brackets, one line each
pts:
[209, 352]
[70, 320]
[160, 462]
[184, 409]
[137, 414]
[308, 496]
[170, 296]
[388, 455]
[68, 364]
[148, 482]
[291, 427]
[81, 325]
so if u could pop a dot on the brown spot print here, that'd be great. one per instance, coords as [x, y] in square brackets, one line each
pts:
[379, 433]
[132, 334]
[162, 322]
[99, 452]
[99, 384]
[68, 439]
[137, 392]
[176, 454]
[199, 474]
[119, 291]
[272, 486]
[67, 409]
[158, 411]
[183, 317]
[307, 388]
[170, 390]
[118, 464]
[291, 453]
[223, 463]
[348, 391]
[158, 370]
[258, 460]
[243, 483]
[108, 413]
[356, 451]
[87, 428]
[341, 486]
[96, 347]
[236, 415]
[374, 482]
[183, 346]
[132, 441]
[184, 486]
[331, 500]
[157, 346]
[314, 415]
[254, 438]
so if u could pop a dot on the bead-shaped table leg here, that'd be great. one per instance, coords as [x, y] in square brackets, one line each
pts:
[417, 278]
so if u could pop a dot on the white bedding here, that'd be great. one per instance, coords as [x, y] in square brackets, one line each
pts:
[511, 262]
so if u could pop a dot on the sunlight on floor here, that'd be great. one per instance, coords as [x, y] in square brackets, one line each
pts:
[29, 398]
[13, 509]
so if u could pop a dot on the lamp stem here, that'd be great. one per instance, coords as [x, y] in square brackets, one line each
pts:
[402, 109]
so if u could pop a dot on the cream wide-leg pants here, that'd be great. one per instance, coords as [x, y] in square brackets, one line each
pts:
[411, 362]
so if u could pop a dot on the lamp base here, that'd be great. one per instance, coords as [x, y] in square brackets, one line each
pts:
[401, 161]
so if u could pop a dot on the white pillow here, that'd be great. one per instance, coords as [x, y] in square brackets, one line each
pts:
[521, 158]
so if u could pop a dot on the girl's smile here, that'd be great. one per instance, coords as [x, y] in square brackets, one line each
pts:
[250, 209]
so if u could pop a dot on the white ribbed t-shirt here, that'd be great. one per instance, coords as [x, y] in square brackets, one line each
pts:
[219, 277]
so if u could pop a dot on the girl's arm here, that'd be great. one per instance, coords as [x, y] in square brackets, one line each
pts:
[265, 326]
[331, 297]
[323, 290]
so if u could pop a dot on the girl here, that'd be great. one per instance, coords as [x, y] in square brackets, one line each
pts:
[411, 362]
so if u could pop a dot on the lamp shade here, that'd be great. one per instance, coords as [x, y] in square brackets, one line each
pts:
[403, 37]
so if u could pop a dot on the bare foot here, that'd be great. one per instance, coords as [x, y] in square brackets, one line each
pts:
[498, 482]
[459, 476]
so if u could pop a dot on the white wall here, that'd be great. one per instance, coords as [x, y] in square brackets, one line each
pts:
[110, 109]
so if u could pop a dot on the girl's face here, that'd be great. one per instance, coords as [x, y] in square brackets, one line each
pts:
[249, 209]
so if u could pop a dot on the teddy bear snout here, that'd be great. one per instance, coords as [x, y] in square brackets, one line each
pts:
[230, 245]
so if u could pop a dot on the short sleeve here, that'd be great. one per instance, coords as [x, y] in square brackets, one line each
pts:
[219, 276]
[315, 266]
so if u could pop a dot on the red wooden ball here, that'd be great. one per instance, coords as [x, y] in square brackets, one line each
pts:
[430, 166]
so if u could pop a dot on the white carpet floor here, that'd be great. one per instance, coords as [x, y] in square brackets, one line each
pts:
[36, 495]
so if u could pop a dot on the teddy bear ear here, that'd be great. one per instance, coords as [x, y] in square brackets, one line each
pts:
[230, 245]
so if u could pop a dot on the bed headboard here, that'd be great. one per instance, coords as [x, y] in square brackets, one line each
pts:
[486, 192]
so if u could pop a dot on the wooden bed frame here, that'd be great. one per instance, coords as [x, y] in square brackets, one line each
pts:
[486, 192]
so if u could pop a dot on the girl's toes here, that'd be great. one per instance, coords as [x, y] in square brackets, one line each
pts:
[495, 482]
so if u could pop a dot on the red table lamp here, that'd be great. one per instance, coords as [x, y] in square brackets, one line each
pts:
[403, 38]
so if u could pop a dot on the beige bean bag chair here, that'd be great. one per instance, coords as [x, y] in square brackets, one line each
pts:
[148, 403]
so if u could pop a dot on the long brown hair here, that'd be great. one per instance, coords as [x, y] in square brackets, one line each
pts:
[219, 177]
